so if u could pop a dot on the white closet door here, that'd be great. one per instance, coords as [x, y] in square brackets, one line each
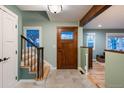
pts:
[9, 50]
[0, 48]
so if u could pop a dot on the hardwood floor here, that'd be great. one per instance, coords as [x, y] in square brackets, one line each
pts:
[97, 74]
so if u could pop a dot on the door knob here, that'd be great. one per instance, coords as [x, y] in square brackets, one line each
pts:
[4, 59]
[1, 60]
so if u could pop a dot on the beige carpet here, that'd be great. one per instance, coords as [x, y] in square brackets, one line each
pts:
[60, 79]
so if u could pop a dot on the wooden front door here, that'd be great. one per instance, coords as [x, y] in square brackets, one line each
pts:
[67, 47]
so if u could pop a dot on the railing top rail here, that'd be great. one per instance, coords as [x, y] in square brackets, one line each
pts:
[31, 42]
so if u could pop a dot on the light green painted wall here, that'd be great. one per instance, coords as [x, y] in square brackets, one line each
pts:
[100, 39]
[80, 43]
[19, 14]
[114, 70]
[83, 53]
[50, 38]
[35, 16]
[50, 33]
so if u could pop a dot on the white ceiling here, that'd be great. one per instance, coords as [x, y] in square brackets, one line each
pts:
[110, 19]
[32, 7]
[69, 13]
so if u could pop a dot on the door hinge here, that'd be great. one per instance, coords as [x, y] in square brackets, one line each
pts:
[15, 26]
[16, 78]
[16, 52]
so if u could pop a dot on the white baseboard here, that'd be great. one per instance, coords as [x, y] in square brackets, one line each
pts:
[81, 69]
[94, 60]
[24, 80]
[53, 68]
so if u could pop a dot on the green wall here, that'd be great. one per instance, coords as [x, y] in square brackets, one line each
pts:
[19, 14]
[83, 53]
[100, 39]
[114, 70]
[49, 33]
[50, 38]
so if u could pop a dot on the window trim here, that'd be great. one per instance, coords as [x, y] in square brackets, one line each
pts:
[94, 35]
[112, 34]
[25, 28]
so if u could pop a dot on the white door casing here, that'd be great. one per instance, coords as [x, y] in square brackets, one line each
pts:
[1, 48]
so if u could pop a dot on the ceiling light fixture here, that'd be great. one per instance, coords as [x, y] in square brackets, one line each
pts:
[55, 8]
[99, 25]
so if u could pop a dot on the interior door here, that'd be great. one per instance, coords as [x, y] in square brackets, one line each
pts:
[1, 49]
[67, 47]
[9, 50]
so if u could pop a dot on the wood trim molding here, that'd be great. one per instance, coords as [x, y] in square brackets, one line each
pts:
[64, 27]
[114, 51]
[84, 47]
[92, 13]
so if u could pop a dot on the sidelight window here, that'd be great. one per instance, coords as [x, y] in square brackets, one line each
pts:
[90, 40]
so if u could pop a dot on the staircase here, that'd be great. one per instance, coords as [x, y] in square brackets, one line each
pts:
[33, 65]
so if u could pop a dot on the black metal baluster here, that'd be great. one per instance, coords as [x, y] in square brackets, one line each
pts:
[42, 62]
[21, 48]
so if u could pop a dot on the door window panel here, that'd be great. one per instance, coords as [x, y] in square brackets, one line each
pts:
[67, 35]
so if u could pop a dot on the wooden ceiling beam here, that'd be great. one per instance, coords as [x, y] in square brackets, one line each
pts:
[92, 13]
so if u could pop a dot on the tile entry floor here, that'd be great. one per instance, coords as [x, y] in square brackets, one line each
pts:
[59, 79]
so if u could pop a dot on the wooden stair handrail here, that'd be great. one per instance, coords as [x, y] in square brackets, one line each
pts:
[39, 51]
[31, 42]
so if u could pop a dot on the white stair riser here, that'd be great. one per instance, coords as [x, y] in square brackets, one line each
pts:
[28, 57]
[26, 61]
[33, 69]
